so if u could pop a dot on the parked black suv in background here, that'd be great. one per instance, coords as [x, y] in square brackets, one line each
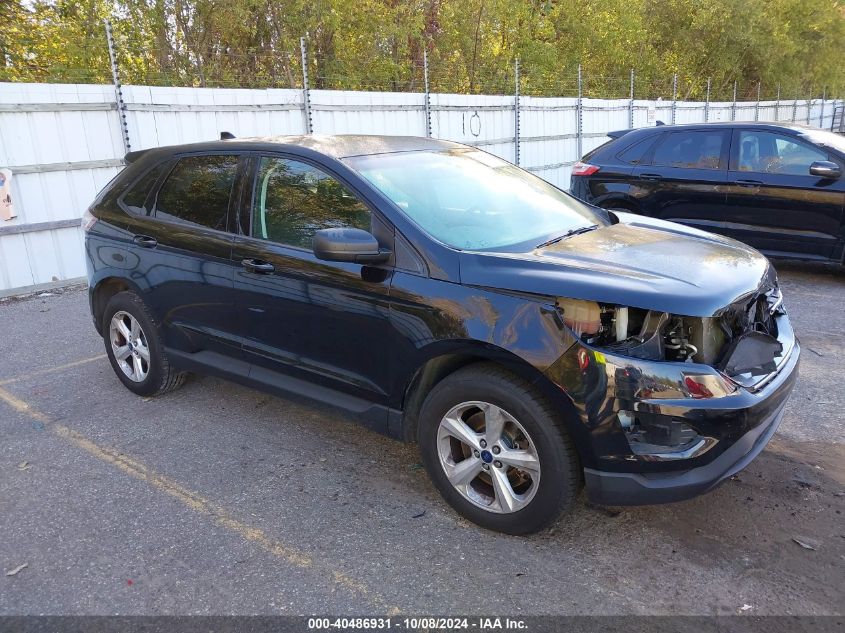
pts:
[527, 341]
[778, 188]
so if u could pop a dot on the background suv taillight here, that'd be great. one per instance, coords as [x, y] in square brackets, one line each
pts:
[584, 169]
[88, 220]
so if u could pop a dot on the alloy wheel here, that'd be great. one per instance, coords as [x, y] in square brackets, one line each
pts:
[129, 346]
[488, 457]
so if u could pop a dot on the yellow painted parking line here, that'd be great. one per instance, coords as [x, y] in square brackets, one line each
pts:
[51, 370]
[23, 407]
[196, 502]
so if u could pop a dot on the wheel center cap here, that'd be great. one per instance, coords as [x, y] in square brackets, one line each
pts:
[486, 457]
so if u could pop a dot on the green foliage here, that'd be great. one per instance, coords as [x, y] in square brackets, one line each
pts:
[471, 44]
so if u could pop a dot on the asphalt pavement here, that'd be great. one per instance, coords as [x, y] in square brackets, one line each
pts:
[218, 499]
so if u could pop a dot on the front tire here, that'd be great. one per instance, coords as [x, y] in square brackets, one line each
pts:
[496, 450]
[134, 347]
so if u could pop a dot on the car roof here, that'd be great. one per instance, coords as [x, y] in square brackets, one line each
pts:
[336, 146]
[796, 127]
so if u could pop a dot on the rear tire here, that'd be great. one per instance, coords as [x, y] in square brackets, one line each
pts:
[497, 451]
[134, 347]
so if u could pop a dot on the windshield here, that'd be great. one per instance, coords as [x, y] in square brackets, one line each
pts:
[471, 200]
[823, 137]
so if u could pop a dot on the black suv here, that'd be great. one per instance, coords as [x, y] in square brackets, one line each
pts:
[528, 342]
[778, 188]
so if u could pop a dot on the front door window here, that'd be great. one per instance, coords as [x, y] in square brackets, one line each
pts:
[772, 153]
[293, 200]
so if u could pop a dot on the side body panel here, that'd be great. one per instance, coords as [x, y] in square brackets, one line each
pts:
[433, 319]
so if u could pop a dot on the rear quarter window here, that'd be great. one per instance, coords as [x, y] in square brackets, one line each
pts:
[586, 158]
[136, 196]
[635, 154]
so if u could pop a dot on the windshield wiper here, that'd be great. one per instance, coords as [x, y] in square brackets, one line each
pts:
[569, 233]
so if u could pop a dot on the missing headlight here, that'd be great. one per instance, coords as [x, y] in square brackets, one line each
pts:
[627, 331]
[645, 334]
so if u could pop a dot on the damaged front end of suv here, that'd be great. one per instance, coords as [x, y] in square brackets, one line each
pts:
[675, 404]
[741, 340]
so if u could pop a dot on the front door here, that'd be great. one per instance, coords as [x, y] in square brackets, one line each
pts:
[310, 326]
[774, 203]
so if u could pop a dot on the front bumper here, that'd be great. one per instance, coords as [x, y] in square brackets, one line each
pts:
[733, 429]
[618, 489]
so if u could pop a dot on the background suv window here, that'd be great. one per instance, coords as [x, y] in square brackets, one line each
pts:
[690, 150]
[133, 200]
[293, 200]
[772, 153]
[198, 190]
[635, 153]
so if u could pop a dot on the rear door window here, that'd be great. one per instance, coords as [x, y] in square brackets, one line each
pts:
[691, 150]
[198, 190]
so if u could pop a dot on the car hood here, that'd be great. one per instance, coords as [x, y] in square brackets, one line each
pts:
[639, 262]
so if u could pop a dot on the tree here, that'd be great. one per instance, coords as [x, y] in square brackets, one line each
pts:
[471, 44]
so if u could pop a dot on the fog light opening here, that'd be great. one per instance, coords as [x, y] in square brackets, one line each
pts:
[656, 436]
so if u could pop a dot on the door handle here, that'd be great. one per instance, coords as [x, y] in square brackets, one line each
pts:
[748, 183]
[651, 177]
[258, 266]
[145, 241]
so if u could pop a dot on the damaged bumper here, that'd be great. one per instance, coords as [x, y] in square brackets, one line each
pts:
[652, 436]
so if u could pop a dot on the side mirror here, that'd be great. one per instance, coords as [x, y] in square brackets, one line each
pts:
[826, 169]
[348, 245]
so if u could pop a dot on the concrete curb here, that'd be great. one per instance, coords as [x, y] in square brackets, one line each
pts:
[51, 285]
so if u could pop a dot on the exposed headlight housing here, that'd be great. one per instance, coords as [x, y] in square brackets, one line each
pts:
[646, 334]
[652, 335]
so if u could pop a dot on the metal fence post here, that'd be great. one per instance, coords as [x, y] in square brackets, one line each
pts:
[516, 114]
[707, 103]
[777, 105]
[427, 95]
[306, 93]
[810, 107]
[733, 105]
[795, 108]
[821, 115]
[580, 116]
[757, 104]
[118, 90]
[631, 103]
[674, 97]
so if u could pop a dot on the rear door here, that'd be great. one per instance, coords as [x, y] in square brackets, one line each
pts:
[774, 203]
[684, 178]
[314, 327]
[182, 252]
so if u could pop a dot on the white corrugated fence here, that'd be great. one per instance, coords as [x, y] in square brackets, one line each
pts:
[63, 142]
